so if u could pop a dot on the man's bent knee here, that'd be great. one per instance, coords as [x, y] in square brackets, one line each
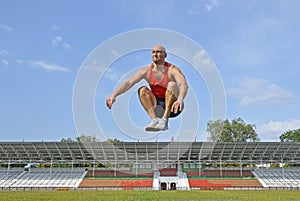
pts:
[173, 88]
[142, 90]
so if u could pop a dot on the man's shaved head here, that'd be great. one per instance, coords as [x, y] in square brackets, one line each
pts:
[159, 47]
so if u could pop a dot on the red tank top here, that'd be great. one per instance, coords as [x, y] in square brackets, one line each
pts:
[159, 87]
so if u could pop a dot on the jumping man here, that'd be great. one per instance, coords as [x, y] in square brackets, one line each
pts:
[168, 88]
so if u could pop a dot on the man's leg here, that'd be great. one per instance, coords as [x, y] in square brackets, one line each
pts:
[148, 101]
[171, 97]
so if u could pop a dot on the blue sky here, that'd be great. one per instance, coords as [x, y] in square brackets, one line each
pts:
[44, 45]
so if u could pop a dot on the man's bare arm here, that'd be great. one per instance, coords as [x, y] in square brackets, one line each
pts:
[125, 86]
[183, 88]
[181, 81]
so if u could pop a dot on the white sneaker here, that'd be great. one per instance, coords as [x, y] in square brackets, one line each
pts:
[162, 125]
[152, 125]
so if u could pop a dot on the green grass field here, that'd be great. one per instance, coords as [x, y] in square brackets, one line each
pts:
[150, 195]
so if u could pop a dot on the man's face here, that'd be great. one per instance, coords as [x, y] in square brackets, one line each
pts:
[158, 55]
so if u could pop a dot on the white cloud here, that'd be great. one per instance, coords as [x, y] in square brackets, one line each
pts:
[202, 61]
[4, 53]
[5, 27]
[197, 7]
[108, 73]
[5, 62]
[56, 40]
[212, 4]
[18, 61]
[48, 67]
[67, 46]
[260, 92]
[273, 129]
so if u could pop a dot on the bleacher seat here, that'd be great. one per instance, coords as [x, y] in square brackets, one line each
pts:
[277, 177]
[43, 178]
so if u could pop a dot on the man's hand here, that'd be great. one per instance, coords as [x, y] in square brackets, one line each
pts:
[110, 101]
[177, 106]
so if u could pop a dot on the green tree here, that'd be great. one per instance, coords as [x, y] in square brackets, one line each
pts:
[86, 138]
[290, 136]
[113, 140]
[236, 131]
[67, 140]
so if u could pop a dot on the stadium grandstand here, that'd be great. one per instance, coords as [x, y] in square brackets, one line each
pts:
[148, 165]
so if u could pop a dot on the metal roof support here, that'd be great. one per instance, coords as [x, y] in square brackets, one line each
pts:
[157, 156]
[221, 174]
[72, 167]
[80, 149]
[146, 152]
[199, 167]
[241, 168]
[136, 152]
[168, 152]
[115, 154]
[94, 168]
[104, 153]
[136, 168]
[115, 168]
[58, 150]
[51, 167]
[8, 167]
[70, 151]
[282, 169]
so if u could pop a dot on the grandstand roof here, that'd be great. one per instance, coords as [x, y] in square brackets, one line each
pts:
[131, 152]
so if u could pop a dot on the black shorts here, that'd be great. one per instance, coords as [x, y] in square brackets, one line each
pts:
[160, 108]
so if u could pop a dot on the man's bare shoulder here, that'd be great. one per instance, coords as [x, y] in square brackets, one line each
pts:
[175, 69]
[143, 72]
[144, 69]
